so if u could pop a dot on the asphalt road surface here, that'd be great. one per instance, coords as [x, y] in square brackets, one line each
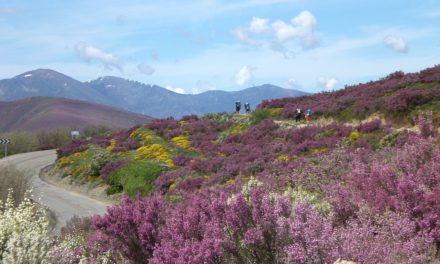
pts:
[64, 204]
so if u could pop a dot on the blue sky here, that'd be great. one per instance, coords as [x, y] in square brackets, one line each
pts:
[194, 46]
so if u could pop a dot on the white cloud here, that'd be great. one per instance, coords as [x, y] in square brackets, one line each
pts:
[396, 43]
[145, 69]
[284, 31]
[175, 89]
[259, 25]
[89, 53]
[302, 27]
[243, 76]
[328, 82]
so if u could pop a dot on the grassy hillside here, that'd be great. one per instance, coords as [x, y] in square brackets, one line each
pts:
[47, 113]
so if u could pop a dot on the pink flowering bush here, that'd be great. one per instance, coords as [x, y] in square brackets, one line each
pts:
[130, 230]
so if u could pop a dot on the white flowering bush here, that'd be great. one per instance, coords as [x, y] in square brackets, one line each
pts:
[68, 250]
[23, 232]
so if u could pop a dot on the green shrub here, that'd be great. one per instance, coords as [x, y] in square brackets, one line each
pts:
[261, 114]
[390, 139]
[20, 142]
[346, 115]
[99, 159]
[135, 178]
[53, 139]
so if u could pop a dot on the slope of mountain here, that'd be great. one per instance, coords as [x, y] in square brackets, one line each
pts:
[266, 188]
[151, 100]
[44, 82]
[398, 96]
[46, 113]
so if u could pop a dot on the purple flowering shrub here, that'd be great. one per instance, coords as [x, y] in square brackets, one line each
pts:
[130, 230]
[71, 147]
[363, 205]
[425, 124]
[253, 226]
[397, 94]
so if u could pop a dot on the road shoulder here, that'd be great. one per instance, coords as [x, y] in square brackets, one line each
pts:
[97, 191]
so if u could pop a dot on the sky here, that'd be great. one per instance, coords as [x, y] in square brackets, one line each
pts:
[199, 45]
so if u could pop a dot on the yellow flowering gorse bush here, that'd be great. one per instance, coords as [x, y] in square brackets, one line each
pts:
[112, 145]
[153, 152]
[143, 135]
[181, 141]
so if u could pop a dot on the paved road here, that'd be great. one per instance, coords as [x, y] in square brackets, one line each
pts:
[64, 204]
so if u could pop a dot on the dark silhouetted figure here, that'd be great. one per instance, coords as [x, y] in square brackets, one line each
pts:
[237, 107]
[247, 107]
[298, 115]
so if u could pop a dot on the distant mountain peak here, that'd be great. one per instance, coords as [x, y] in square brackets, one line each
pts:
[43, 74]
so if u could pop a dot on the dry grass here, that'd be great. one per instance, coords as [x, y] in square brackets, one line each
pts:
[12, 178]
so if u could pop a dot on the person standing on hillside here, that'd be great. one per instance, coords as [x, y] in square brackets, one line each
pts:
[237, 107]
[298, 114]
[247, 107]
[308, 115]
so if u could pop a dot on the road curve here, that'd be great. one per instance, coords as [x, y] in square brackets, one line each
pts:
[64, 204]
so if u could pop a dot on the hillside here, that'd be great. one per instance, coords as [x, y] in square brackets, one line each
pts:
[397, 96]
[46, 113]
[151, 100]
[264, 188]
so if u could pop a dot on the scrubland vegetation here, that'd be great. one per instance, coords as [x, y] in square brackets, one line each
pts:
[261, 188]
[22, 142]
[16, 180]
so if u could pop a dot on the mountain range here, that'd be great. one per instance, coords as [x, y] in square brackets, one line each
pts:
[150, 100]
[46, 113]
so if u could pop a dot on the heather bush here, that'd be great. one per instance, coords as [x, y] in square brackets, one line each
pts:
[391, 238]
[369, 127]
[192, 233]
[424, 122]
[129, 231]
[72, 147]
[181, 160]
